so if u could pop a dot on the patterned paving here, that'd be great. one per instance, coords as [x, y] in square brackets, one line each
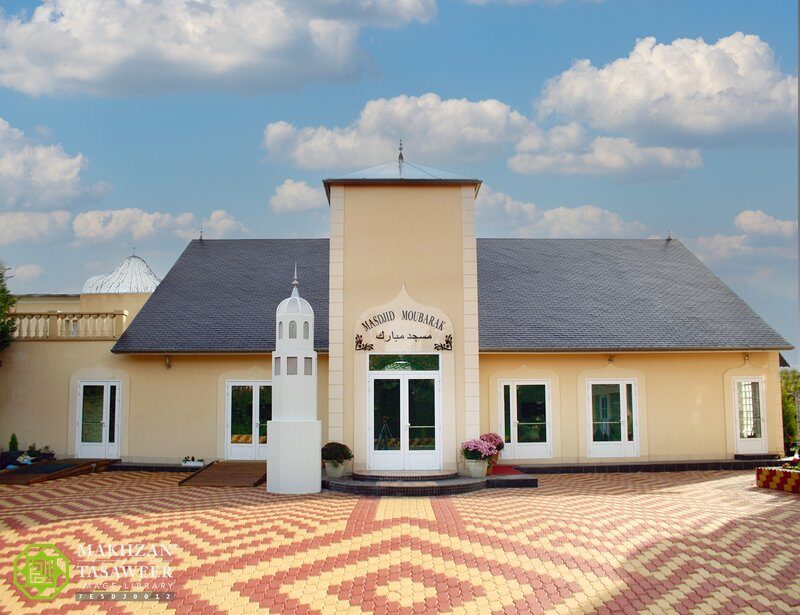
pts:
[659, 543]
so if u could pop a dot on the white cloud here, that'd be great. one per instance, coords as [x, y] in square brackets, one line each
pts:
[687, 87]
[726, 247]
[221, 225]
[614, 156]
[34, 175]
[30, 226]
[111, 224]
[110, 47]
[584, 221]
[25, 273]
[525, 219]
[759, 223]
[450, 129]
[292, 196]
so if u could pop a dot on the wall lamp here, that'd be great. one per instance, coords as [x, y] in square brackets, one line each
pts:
[167, 361]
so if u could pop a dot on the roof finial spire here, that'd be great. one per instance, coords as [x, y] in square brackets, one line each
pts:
[133, 249]
[669, 235]
[295, 281]
[400, 158]
[201, 232]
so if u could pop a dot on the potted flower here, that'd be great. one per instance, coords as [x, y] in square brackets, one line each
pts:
[496, 441]
[191, 462]
[334, 454]
[477, 454]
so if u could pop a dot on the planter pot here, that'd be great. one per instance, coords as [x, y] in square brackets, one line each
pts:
[334, 470]
[492, 463]
[778, 478]
[193, 464]
[477, 469]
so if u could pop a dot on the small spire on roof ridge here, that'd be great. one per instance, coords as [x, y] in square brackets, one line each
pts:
[295, 281]
[133, 249]
[201, 232]
[400, 159]
[669, 235]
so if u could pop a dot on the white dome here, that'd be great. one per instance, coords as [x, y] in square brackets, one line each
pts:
[294, 305]
[132, 275]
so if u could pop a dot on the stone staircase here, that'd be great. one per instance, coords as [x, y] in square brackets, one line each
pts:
[422, 483]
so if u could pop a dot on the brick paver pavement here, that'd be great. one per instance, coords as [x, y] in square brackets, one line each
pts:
[684, 542]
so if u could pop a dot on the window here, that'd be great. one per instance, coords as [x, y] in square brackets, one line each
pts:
[277, 366]
[280, 330]
[748, 393]
[306, 330]
[525, 419]
[291, 366]
[98, 419]
[308, 366]
[613, 418]
[404, 362]
[292, 330]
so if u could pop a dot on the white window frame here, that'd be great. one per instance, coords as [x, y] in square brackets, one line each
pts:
[524, 450]
[245, 451]
[749, 446]
[104, 449]
[624, 448]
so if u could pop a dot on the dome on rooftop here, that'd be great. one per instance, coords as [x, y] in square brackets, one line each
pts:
[133, 275]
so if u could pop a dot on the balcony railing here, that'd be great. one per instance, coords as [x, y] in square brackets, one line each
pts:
[69, 326]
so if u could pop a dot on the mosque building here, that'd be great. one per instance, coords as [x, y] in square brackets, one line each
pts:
[415, 335]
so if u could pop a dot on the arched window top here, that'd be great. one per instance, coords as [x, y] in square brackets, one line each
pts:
[306, 330]
[293, 330]
[280, 330]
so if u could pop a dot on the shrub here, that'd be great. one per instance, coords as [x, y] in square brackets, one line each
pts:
[477, 450]
[13, 443]
[336, 453]
[493, 439]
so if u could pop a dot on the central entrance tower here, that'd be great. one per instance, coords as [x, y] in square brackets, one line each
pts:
[403, 352]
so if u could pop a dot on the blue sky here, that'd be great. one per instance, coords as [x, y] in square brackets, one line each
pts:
[124, 123]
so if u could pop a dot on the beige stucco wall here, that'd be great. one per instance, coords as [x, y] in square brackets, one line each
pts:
[44, 303]
[165, 413]
[419, 236]
[686, 408]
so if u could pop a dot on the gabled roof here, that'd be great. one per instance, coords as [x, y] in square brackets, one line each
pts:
[534, 295]
[609, 294]
[221, 294]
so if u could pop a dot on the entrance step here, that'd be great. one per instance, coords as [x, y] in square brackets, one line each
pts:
[228, 474]
[403, 476]
[419, 487]
[430, 482]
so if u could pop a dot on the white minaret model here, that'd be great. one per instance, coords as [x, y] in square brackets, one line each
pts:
[294, 440]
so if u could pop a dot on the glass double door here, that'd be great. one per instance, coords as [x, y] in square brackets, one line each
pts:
[98, 420]
[404, 421]
[249, 410]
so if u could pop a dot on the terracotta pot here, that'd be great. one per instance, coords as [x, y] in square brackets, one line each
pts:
[334, 470]
[477, 469]
[492, 463]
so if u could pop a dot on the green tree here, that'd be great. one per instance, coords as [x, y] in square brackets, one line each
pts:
[7, 301]
[790, 389]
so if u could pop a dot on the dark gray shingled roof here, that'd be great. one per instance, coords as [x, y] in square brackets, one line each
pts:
[534, 295]
[221, 296]
[609, 294]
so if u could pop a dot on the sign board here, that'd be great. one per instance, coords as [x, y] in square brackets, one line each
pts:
[403, 325]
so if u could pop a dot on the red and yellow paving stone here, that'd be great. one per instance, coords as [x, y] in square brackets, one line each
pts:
[699, 542]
